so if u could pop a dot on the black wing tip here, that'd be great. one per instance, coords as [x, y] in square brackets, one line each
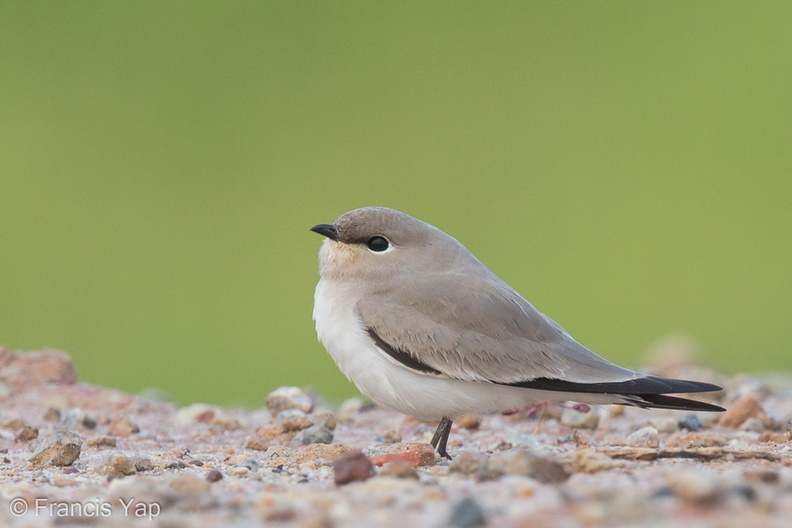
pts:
[661, 401]
[638, 386]
[686, 386]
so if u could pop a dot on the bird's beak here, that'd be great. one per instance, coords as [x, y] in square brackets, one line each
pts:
[326, 230]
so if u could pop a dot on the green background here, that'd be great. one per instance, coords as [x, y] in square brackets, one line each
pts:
[624, 165]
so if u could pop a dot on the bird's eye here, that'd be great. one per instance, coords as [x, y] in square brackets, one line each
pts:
[377, 244]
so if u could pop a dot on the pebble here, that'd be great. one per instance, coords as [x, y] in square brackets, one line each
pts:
[75, 418]
[315, 434]
[417, 454]
[52, 414]
[257, 444]
[321, 451]
[142, 464]
[196, 413]
[468, 463]
[752, 424]
[325, 418]
[251, 463]
[351, 467]
[101, 441]
[695, 486]
[398, 469]
[26, 434]
[391, 437]
[589, 461]
[644, 437]
[519, 439]
[293, 420]
[214, 475]
[523, 463]
[284, 398]
[116, 465]
[468, 421]
[690, 422]
[664, 424]
[467, 513]
[739, 411]
[580, 420]
[349, 408]
[59, 449]
[122, 426]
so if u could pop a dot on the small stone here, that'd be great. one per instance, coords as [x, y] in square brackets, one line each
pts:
[26, 434]
[313, 452]
[14, 424]
[226, 423]
[251, 463]
[284, 398]
[689, 422]
[468, 421]
[324, 418]
[237, 470]
[122, 426]
[467, 513]
[59, 449]
[116, 465]
[520, 462]
[196, 413]
[352, 466]
[101, 441]
[519, 439]
[391, 437]
[142, 464]
[467, 463]
[315, 434]
[589, 461]
[739, 411]
[22, 370]
[418, 454]
[580, 420]
[257, 444]
[761, 476]
[52, 414]
[695, 486]
[398, 469]
[664, 424]
[214, 475]
[643, 437]
[349, 408]
[293, 420]
[269, 431]
[752, 424]
[190, 484]
[76, 418]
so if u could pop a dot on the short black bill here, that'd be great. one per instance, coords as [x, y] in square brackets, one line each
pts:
[326, 230]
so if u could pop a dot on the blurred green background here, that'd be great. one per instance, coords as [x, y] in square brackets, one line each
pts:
[624, 165]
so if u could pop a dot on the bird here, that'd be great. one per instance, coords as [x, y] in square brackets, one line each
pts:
[420, 326]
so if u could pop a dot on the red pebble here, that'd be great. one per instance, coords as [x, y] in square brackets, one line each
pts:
[352, 466]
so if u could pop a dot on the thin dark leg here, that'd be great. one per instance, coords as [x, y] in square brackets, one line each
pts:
[440, 438]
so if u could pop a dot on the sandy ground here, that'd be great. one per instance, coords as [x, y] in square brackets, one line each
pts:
[73, 454]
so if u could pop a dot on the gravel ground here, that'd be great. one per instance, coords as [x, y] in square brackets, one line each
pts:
[77, 454]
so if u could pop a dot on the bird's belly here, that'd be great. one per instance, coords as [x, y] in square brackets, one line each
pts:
[393, 386]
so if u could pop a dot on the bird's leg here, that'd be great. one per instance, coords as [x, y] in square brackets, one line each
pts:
[440, 438]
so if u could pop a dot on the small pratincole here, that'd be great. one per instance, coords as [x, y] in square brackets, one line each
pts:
[422, 327]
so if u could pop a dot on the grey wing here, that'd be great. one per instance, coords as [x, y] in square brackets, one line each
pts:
[478, 331]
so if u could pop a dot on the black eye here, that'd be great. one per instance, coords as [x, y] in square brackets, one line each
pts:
[377, 244]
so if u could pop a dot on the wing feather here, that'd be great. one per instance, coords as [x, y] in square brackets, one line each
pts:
[492, 335]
